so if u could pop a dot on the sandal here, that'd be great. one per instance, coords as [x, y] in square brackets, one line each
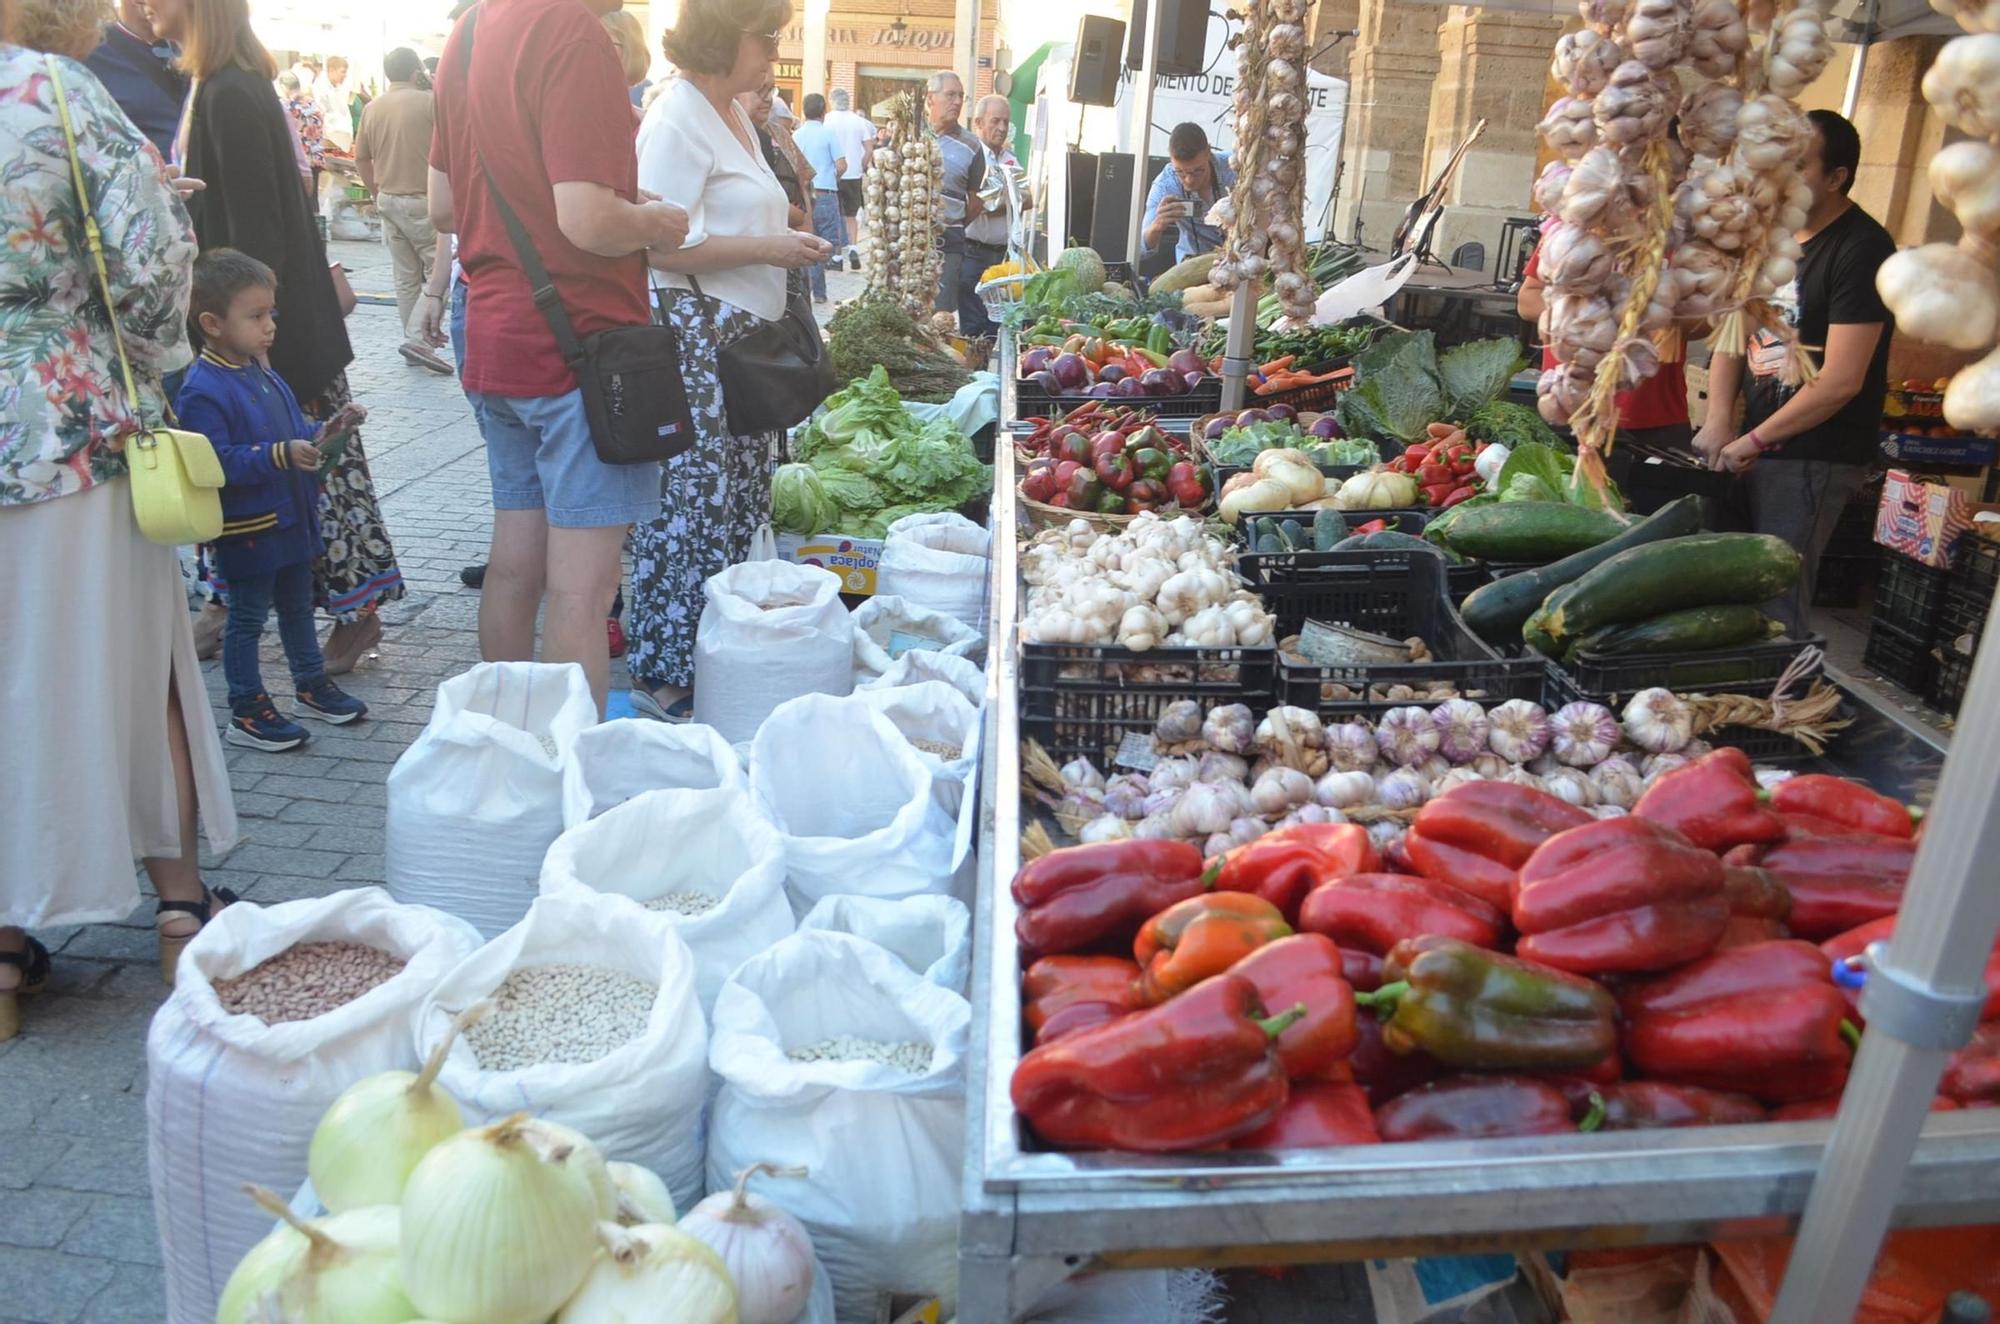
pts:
[33, 963]
[172, 945]
[645, 704]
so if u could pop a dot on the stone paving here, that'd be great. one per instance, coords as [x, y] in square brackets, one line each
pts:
[77, 1239]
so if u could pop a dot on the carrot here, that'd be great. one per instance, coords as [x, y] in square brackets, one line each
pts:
[1439, 430]
[1278, 365]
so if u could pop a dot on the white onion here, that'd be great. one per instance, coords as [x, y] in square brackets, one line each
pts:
[380, 1128]
[642, 1196]
[341, 1269]
[653, 1272]
[768, 1253]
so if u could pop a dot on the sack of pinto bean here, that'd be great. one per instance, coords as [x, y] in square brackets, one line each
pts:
[614, 761]
[275, 1011]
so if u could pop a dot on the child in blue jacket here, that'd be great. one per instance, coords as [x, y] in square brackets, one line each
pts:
[270, 500]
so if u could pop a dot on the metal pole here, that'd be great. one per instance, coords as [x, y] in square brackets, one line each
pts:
[1142, 127]
[1922, 1000]
[1242, 342]
[1870, 12]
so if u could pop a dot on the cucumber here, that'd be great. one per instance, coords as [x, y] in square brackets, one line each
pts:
[1531, 530]
[1495, 611]
[1388, 540]
[1328, 529]
[1710, 569]
[1690, 630]
[1293, 535]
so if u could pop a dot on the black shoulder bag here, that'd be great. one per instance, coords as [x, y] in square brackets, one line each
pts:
[630, 376]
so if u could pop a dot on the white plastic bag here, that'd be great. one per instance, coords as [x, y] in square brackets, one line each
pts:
[938, 716]
[885, 628]
[882, 1147]
[642, 1101]
[771, 631]
[476, 799]
[717, 843]
[939, 563]
[857, 807]
[968, 678]
[231, 1099]
[930, 934]
[614, 761]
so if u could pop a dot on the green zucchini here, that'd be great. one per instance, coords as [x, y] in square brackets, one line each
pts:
[1531, 530]
[1388, 540]
[1293, 535]
[1495, 611]
[1690, 630]
[1535, 636]
[1709, 569]
[1328, 528]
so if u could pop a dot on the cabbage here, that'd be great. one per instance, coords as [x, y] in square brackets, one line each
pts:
[871, 462]
[799, 503]
[851, 491]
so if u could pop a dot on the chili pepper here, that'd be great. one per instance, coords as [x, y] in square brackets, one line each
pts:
[1184, 481]
[1838, 883]
[1619, 894]
[1650, 1105]
[1382, 1073]
[1713, 802]
[1079, 897]
[1319, 1115]
[1056, 982]
[1283, 865]
[1192, 1074]
[1305, 970]
[1202, 936]
[1763, 1020]
[1374, 911]
[1478, 1108]
[1477, 1009]
[1849, 945]
[1477, 836]
[1465, 493]
[1846, 802]
[1371, 526]
[1972, 1077]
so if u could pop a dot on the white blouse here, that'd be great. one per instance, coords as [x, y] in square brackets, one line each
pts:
[688, 155]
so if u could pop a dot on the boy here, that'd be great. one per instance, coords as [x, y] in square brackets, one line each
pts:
[270, 501]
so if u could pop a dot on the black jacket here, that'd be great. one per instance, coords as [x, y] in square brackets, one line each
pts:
[240, 145]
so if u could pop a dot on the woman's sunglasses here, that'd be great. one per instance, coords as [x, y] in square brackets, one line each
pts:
[770, 40]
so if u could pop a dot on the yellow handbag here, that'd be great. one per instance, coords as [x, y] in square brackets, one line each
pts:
[176, 478]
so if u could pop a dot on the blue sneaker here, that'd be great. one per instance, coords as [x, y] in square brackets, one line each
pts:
[329, 703]
[255, 722]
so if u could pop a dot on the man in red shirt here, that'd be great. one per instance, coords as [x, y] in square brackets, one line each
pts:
[541, 104]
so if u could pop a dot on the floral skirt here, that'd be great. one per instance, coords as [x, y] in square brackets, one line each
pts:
[716, 496]
[358, 572]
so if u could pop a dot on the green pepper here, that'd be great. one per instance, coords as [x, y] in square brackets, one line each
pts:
[1483, 1011]
[1160, 340]
[1111, 502]
[1151, 463]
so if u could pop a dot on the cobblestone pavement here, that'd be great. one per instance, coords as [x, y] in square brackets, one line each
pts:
[77, 1239]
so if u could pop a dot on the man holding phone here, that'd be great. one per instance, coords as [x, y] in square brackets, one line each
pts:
[1195, 178]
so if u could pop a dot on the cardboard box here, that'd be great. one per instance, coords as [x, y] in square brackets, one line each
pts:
[853, 559]
[1924, 521]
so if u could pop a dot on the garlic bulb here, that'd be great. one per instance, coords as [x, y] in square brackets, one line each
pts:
[1402, 788]
[1351, 746]
[1279, 790]
[1407, 736]
[1346, 789]
[1518, 731]
[1462, 730]
[1799, 51]
[1215, 766]
[1179, 723]
[642, 1196]
[1584, 61]
[1569, 128]
[335, 1270]
[1717, 40]
[1105, 827]
[1972, 15]
[1942, 294]
[1572, 785]
[645, 1267]
[1635, 105]
[1657, 720]
[1657, 32]
[767, 1252]
[1206, 808]
[1125, 796]
[1972, 401]
[1574, 260]
[1584, 734]
[1081, 773]
[1617, 782]
[1966, 178]
[373, 1136]
[1708, 119]
[1230, 728]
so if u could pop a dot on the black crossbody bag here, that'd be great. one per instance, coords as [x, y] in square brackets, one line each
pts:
[629, 376]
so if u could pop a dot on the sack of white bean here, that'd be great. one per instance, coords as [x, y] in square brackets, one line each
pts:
[595, 1025]
[834, 1056]
[770, 631]
[938, 563]
[710, 861]
[885, 628]
[477, 798]
[859, 811]
[941, 724]
[930, 934]
[968, 678]
[614, 761]
[276, 1010]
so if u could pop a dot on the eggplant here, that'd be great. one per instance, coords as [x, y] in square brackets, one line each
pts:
[1249, 416]
[1217, 426]
[1111, 372]
[1186, 361]
[1047, 381]
[1326, 427]
[1071, 370]
[1281, 410]
[1036, 359]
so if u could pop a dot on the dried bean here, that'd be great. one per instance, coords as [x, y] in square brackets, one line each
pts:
[684, 903]
[913, 1057]
[560, 1013]
[306, 980]
[939, 748]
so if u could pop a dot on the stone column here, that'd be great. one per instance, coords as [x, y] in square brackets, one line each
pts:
[812, 64]
[1899, 136]
[1394, 63]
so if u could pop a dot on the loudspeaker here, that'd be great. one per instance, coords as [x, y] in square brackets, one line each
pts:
[1183, 37]
[1093, 70]
[1082, 197]
[1110, 213]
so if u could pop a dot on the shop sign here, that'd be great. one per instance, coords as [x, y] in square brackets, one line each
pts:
[911, 38]
[789, 69]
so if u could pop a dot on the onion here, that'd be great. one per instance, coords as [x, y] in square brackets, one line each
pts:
[642, 1196]
[335, 1270]
[380, 1128]
[654, 1272]
[767, 1252]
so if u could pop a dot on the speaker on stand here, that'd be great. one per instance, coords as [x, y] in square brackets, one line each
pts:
[1093, 71]
[1183, 37]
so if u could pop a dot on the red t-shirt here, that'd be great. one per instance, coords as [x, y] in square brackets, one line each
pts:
[547, 96]
[1659, 401]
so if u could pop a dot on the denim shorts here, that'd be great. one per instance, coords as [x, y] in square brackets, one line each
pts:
[540, 457]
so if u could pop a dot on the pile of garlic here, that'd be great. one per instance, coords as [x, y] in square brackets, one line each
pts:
[1265, 212]
[899, 193]
[1155, 583]
[1946, 293]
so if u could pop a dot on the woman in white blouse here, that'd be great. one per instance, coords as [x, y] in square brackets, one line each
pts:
[698, 147]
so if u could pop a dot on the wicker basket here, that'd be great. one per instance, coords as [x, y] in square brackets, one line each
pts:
[1041, 515]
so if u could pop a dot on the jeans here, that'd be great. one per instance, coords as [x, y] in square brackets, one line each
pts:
[1800, 501]
[827, 225]
[458, 288]
[251, 598]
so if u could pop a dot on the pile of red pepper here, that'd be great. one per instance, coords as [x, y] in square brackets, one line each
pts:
[1112, 462]
[1442, 464]
[1517, 967]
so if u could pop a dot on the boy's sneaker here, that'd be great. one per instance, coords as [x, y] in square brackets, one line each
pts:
[329, 703]
[255, 722]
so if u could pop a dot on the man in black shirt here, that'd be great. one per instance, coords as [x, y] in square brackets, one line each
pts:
[1805, 451]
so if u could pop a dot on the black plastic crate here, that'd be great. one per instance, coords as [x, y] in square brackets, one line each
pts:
[1761, 746]
[1947, 690]
[1976, 569]
[1030, 399]
[1084, 698]
[1899, 656]
[1842, 578]
[1908, 594]
[1854, 534]
[1746, 669]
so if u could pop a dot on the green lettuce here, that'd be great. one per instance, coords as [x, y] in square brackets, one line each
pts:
[850, 490]
[799, 504]
[1509, 424]
[1533, 472]
[876, 525]
[1477, 373]
[872, 462]
[869, 403]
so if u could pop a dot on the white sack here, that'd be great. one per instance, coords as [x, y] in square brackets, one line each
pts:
[968, 678]
[859, 810]
[614, 761]
[883, 1148]
[885, 628]
[939, 563]
[715, 842]
[771, 631]
[640, 1102]
[230, 1099]
[476, 799]
[930, 934]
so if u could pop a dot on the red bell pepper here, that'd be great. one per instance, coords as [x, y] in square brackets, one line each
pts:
[1056, 983]
[1464, 492]
[1192, 1074]
[1749, 930]
[1184, 481]
[1082, 897]
[1619, 895]
[1199, 937]
[1765, 1021]
[1849, 945]
[1844, 802]
[1318, 1115]
[1812, 825]
[1384, 1073]
[1972, 1077]
[1477, 1108]
[1650, 1105]
[1040, 482]
[1477, 836]
[1372, 912]
[1837, 883]
[1076, 1016]
[1115, 470]
[1714, 802]
[1305, 970]
[1362, 970]
[1283, 865]
[1755, 893]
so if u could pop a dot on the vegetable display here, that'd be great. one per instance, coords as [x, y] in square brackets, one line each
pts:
[1111, 461]
[1318, 439]
[1157, 582]
[864, 462]
[874, 330]
[1121, 359]
[1402, 384]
